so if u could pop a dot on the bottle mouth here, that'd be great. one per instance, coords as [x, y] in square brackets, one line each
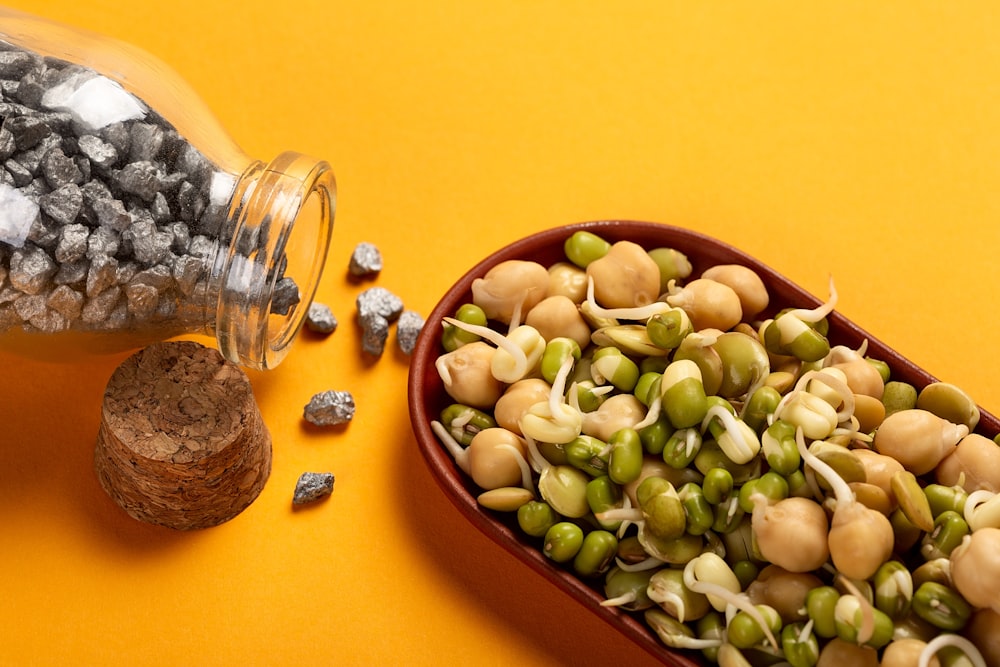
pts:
[283, 219]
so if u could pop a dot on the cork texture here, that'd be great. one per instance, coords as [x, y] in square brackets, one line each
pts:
[181, 441]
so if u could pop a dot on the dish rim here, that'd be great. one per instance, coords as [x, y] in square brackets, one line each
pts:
[703, 251]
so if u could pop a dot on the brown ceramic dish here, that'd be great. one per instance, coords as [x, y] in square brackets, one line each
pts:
[427, 397]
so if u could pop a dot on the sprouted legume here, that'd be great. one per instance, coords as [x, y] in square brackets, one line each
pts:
[751, 490]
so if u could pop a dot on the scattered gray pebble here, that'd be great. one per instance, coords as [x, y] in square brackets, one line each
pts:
[330, 408]
[374, 333]
[320, 318]
[312, 486]
[408, 329]
[366, 261]
[379, 301]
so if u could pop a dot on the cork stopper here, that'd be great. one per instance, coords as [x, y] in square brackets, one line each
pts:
[181, 442]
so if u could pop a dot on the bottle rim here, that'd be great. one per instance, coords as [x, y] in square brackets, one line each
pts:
[291, 198]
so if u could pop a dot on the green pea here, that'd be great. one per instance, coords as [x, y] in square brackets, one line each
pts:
[588, 454]
[611, 365]
[586, 397]
[801, 650]
[685, 402]
[536, 517]
[778, 446]
[674, 265]
[798, 485]
[941, 606]
[715, 426]
[625, 459]
[760, 407]
[602, 495]
[898, 396]
[699, 513]
[628, 590]
[937, 570]
[582, 248]
[711, 626]
[667, 589]
[788, 335]
[820, 605]
[673, 550]
[557, 351]
[848, 619]
[661, 507]
[950, 528]
[944, 498]
[596, 553]
[654, 364]
[563, 541]
[648, 387]
[452, 337]
[746, 571]
[883, 368]
[464, 422]
[681, 448]
[655, 436]
[893, 589]
[667, 330]
[771, 485]
[728, 515]
[746, 632]
[718, 485]
[711, 456]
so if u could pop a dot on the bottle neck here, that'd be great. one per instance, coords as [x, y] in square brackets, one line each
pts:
[281, 217]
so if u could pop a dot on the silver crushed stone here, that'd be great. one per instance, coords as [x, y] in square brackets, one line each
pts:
[408, 329]
[330, 408]
[374, 333]
[320, 318]
[379, 301]
[366, 261]
[312, 486]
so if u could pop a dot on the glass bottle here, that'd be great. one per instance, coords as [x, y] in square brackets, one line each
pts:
[128, 215]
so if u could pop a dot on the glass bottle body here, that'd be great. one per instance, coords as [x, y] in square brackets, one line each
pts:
[128, 215]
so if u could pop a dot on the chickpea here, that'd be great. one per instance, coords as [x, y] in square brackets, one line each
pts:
[467, 375]
[625, 277]
[905, 652]
[862, 377]
[517, 399]
[918, 439]
[879, 469]
[492, 463]
[618, 412]
[975, 568]
[838, 653]
[568, 280]
[558, 316]
[745, 282]
[984, 631]
[510, 287]
[976, 461]
[791, 533]
[784, 591]
[709, 304]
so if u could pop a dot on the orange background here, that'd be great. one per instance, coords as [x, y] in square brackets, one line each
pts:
[854, 138]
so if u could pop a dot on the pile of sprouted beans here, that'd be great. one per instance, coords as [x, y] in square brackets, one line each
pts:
[755, 493]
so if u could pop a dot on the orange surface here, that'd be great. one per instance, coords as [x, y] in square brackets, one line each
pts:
[852, 138]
